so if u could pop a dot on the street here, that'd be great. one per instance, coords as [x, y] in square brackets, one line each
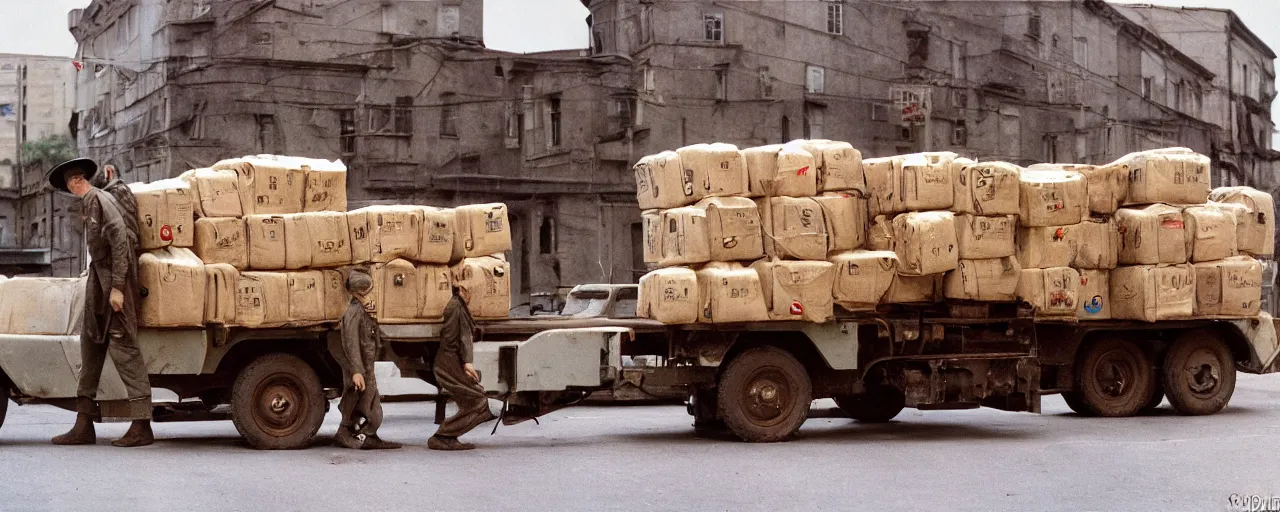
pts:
[647, 458]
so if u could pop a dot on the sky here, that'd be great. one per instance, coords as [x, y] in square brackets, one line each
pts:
[40, 26]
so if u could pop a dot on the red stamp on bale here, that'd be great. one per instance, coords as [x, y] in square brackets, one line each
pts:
[797, 308]
[166, 233]
[803, 170]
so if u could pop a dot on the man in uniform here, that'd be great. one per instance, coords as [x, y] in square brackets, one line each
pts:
[360, 349]
[110, 311]
[109, 181]
[457, 376]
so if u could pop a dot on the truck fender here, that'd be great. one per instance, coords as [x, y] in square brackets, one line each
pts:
[1260, 335]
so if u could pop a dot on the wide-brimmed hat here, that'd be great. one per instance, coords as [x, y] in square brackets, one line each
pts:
[84, 165]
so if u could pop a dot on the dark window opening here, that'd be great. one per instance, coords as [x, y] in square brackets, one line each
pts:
[1033, 26]
[713, 25]
[404, 114]
[554, 105]
[448, 117]
[546, 236]
[347, 131]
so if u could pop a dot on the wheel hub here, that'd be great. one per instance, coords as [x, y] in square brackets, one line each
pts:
[1203, 373]
[281, 410]
[768, 397]
[1114, 375]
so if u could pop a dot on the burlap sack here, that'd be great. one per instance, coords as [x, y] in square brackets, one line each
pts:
[730, 295]
[979, 238]
[661, 182]
[734, 230]
[669, 295]
[1230, 287]
[862, 278]
[1256, 225]
[1153, 292]
[719, 169]
[1053, 292]
[925, 243]
[1151, 235]
[986, 280]
[986, 188]
[797, 290]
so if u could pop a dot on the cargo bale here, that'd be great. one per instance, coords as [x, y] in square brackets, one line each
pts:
[780, 170]
[222, 240]
[661, 182]
[1210, 233]
[1152, 235]
[1230, 287]
[1047, 246]
[862, 278]
[925, 243]
[984, 280]
[719, 169]
[669, 295]
[979, 238]
[797, 290]
[730, 295]
[1153, 292]
[1256, 225]
[1095, 295]
[733, 228]
[986, 188]
[1053, 292]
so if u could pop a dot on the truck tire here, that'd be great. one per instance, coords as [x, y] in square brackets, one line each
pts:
[1199, 373]
[764, 395]
[1077, 404]
[1114, 378]
[277, 402]
[878, 405]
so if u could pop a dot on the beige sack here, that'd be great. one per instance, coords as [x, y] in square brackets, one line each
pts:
[1095, 295]
[266, 186]
[662, 183]
[780, 170]
[845, 217]
[174, 281]
[797, 290]
[987, 280]
[297, 242]
[223, 240]
[1052, 198]
[730, 295]
[393, 231]
[1151, 235]
[435, 288]
[980, 238]
[719, 168]
[220, 281]
[488, 281]
[986, 188]
[1097, 243]
[482, 229]
[1107, 184]
[165, 213]
[1229, 287]
[925, 242]
[1163, 176]
[1153, 292]
[396, 292]
[839, 165]
[914, 289]
[326, 186]
[336, 297]
[733, 229]
[798, 229]
[926, 181]
[884, 183]
[1256, 230]
[358, 237]
[1053, 292]
[1047, 246]
[330, 238]
[1210, 233]
[669, 295]
[41, 305]
[862, 278]
[684, 237]
[440, 235]
[217, 193]
[266, 241]
[651, 220]
[306, 296]
[262, 299]
[880, 233]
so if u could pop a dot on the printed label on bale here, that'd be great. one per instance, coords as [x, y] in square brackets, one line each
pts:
[797, 308]
[166, 233]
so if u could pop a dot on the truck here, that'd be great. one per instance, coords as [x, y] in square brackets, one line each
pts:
[754, 380]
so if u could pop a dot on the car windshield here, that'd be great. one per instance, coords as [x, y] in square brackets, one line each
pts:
[626, 305]
[585, 301]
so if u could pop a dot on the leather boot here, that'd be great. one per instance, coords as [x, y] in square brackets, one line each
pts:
[448, 444]
[139, 434]
[345, 439]
[81, 433]
[376, 443]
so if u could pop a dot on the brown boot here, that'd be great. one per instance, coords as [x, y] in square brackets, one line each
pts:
[448, 444]
[139, 434]
[81, 433]
[376, 443]
[345, 439]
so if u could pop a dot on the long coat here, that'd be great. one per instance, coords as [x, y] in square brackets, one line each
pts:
[114, 264]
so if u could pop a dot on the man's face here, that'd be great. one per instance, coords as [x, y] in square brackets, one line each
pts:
[76, 184]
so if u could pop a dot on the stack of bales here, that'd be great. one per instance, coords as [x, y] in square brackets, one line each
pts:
[273, 241]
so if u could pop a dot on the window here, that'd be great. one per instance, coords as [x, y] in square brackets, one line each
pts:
[512, 119]
[347, 131]
[267, 133]
[814, 118]
[1177, 95]
[649, 81]
[958, 71]
[403, 114]
[960, 135]
[1051, 148]
[547, 236]
[722, 85]
[959, 98]
[621, 114]
[448, 117]
[1033, 26]
[638, 267]
[1081, 51]
[196, 131]
[766, 83]
[879, 112]
[646, 24]
[814, 78]
[597, 42]
[713, 27]
[447, 20]
[553, 126]
[1146, 87]
[835, 18]
[786, 128]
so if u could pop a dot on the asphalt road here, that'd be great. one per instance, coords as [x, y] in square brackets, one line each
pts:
[647, 458]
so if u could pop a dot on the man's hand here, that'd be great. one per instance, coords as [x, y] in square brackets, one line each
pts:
[117, 300]
[471, 370]
[358, 381]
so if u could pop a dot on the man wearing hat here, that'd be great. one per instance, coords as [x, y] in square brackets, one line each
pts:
[361, 347]
[110, 311]
[456, 374]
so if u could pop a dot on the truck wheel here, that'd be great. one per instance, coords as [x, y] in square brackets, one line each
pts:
[1114, 378]
[878, 405]
[277, 403]
[1199, 374]
[764, 395]
[1077, 404]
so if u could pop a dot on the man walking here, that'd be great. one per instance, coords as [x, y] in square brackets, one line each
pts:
[457, 376]
[110, 311]
[361, 347]
[109, 181]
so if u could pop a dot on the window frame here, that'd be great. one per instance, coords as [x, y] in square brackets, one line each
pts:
[835, 17]
[713, 27]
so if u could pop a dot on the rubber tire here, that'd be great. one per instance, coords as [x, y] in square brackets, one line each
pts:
[243, 401]
[1093, 399]
[1077, 404]
[736, 377]
[878, 405]
[1175, 380]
